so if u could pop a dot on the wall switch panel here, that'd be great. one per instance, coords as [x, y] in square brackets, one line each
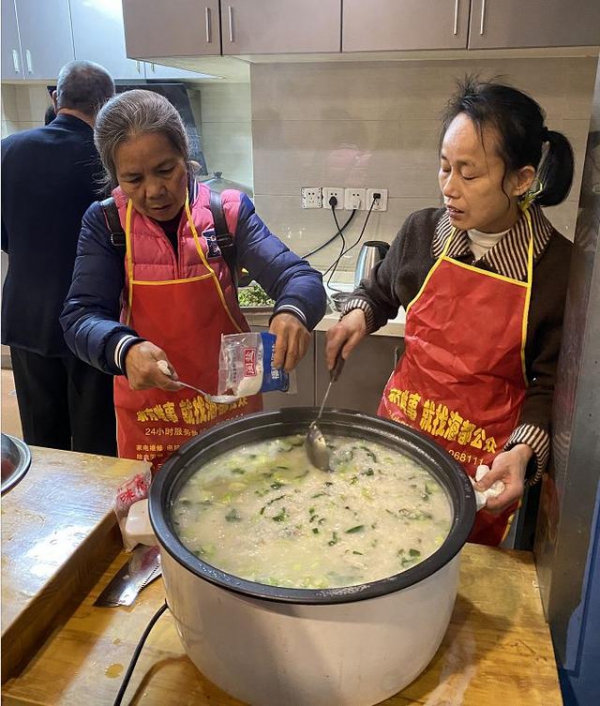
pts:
[355, 199]
[381, 203]
[338, 192]
[312, 197]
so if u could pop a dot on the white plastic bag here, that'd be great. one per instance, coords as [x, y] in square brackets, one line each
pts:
[246, 366]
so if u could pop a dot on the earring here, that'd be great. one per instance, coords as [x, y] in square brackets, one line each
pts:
[530, 196]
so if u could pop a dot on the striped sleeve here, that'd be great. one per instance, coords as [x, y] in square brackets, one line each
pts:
[538, 440]
[365, 307]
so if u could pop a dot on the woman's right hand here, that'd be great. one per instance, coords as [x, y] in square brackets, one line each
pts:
[345, 336]
[142, 371]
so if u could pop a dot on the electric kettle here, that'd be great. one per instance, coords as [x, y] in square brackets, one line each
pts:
[370, 254]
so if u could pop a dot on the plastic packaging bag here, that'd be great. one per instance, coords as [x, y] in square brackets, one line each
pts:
[130, 492]
[246, 366]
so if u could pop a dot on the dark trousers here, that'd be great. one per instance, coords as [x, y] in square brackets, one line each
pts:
[64, 403]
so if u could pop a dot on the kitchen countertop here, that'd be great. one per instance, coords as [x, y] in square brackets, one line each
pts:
[497, 649]
[395, 327]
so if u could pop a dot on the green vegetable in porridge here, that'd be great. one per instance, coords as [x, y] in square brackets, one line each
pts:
[263, 513]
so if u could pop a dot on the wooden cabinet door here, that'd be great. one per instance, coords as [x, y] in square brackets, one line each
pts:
[499, 24]
[174, 28]
[12, 61]
[46, 37]
[394, 25]
[281, 26]
[99, 35]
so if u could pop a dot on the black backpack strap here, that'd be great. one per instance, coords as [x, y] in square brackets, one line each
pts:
[111, 213]
[225, 239]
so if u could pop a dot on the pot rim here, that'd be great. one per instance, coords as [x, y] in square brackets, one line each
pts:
[294, 420]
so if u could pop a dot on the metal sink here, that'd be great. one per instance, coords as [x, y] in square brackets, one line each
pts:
[16, 459]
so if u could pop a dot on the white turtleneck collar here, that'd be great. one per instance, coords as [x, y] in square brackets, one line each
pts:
[480, 242]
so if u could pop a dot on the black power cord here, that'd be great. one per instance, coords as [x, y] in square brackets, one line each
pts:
[339, 231]
[332, 268]
[136, 654]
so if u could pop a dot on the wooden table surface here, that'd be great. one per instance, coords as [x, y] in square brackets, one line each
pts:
[58, 536]
[497, 651]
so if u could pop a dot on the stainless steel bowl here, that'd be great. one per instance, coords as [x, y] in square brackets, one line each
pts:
[16, 459]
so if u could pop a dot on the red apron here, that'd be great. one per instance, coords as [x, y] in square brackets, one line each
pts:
[184, 317]
[462, 377]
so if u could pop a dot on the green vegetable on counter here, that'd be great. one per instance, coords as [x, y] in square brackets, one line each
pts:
[254, 295]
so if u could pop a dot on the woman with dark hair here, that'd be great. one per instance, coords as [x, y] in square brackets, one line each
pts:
[483, 281]
[168, 293]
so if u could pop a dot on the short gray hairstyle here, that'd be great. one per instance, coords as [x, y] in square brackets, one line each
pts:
[133, 114]
[83, 86]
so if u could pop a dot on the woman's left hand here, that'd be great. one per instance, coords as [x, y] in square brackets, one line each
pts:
[509, 467]
[292, 340]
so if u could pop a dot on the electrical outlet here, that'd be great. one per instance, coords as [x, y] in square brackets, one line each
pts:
[355, 199]
[338, 192]
[381, 203]
[312, 197]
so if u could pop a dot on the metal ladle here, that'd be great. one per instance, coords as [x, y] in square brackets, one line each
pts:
[315, 444]
[218, 399]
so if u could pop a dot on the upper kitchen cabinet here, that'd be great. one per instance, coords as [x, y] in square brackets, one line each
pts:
[281, 26]
[396, 25]
[168, 29]
[36, 38]
[99, 35]
[46, 39]
[12, 61]
[499, 24]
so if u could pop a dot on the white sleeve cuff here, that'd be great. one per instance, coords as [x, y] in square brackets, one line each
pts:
[292, 310]
[119, 350]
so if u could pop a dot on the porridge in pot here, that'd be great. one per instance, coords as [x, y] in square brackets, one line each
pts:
[262, 512]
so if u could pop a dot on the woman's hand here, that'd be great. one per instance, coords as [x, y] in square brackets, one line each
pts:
[509, 467]
[292, 340]
[345, 336]
[143, 372]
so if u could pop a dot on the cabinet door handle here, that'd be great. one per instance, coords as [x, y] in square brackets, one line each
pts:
[208, 19]
[482, 25]
[456, 2]
[15, 55]
[138, 67]
[152, 67]
[29, 62]
[230, 15]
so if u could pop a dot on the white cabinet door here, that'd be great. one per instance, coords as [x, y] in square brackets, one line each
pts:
[395, 25]
[498, 24]
[99, 35]
[46, 38]
[175, 28]
[12, 61]
[280, 26]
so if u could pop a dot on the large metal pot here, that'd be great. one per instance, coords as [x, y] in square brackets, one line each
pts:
[270, 646]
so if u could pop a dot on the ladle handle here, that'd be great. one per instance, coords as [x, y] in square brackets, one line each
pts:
[336, 371]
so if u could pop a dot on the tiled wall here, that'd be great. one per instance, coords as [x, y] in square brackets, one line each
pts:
[371, 124]
[23, 107]
[223, 116]
[376, 125]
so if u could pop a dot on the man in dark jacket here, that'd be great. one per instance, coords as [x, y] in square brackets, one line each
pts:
[49, 178]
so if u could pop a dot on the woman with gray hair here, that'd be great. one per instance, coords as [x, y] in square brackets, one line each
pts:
[169, 294]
